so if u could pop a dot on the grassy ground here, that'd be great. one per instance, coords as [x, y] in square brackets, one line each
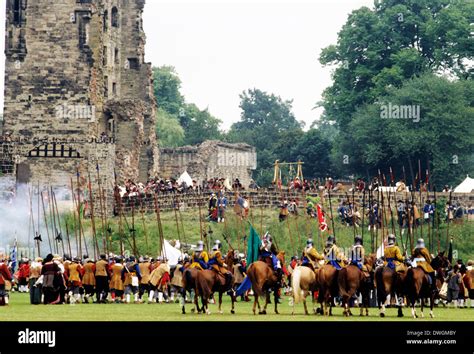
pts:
[21, 310]
[289, 235]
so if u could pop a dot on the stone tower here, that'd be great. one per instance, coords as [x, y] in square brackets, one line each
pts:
[77, 91]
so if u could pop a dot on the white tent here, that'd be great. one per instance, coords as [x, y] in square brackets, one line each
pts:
[466, 186]
[171, 253]
[186, 178]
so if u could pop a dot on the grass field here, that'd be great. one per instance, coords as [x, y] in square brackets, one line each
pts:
[289, 235]
[21, 310]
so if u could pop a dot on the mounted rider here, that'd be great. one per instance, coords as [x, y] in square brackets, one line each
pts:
[200, 257]
[268, 250]
[311, 257]
[393, 256]
[422, 258]
[216, 262]
[332, 254]
[358, 255]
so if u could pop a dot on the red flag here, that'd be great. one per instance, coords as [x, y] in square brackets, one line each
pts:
[427, 176]
[323, 226]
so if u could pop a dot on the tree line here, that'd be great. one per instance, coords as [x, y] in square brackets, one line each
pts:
[402, 94]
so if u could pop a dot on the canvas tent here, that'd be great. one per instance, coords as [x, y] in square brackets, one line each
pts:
[171, 253]
[186, 178]
[466, 186]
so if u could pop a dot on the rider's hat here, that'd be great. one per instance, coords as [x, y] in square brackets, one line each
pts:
[391, 239]
[309, 242]
[358, 239]
[331, 240]
[217, 244]
[420, 243]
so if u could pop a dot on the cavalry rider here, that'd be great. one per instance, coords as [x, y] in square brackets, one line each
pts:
[358, 255]
[311, 255]
[332, 254]
[393, 256]
[200, 257]
[268, 249]
[216, 262]
[422, 258]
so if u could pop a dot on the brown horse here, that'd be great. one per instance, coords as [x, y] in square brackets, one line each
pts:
[304, 282]
[210, 281]
[263, 280]
[389, 282]
[189, 284]
[351, 280]
[417, 284]
[328, 288]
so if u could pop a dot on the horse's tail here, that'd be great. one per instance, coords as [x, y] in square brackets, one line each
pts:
[187, 279]
[342, 282]
[295, 282]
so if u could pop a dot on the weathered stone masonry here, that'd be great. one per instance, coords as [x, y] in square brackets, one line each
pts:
[75, 71]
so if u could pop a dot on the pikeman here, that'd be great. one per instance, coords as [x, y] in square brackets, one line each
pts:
[422, 258]
[332, 254]
[102, 279]
[5, 277]
[393, 256]
[268, 250]
[116, 282]
[88, 280]
[358, 255]
[216, 262]
[311, 257]
[145, 270]
[159, 278]
[200, 257]
[74, 274]
[131, 277]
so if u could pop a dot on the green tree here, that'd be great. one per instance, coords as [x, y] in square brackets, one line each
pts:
[168, 130]
[199, 125]
[268, 123]
[185, 123]
[441, 138]
[398, 39]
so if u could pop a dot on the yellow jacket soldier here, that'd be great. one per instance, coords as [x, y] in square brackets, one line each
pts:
[200, 257]
[216, 262]
[116, 282]
[393, 255]
[422, 258]
[332, 254]
[311, 257]
[144, 287]
[88, 280]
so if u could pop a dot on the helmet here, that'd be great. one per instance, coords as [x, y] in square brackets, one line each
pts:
[215, 248]
[331, 240]
[267, 237]
[200, 246]
[358, 239]
[420, 243]
[309, 242]
[217, 244]
[391, 239]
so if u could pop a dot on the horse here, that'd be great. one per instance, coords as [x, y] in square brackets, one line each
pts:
[351, 280]
[189, 284]
[209, 281]
[263, 280]
[304, 282]
[389, 282]
[328, 287]
[417, 284]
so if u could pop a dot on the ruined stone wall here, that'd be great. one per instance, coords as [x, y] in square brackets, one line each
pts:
[210, 159]
[75, 70]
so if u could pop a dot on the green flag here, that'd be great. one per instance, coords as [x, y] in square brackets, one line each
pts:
[252, 246]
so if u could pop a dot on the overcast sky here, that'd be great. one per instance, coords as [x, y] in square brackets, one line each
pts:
[223, 47]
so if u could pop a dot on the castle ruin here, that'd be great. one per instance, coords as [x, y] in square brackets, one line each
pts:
[78, 93]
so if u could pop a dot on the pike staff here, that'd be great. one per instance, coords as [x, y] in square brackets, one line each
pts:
[46, 224]
[59, 237]
[363, 214]
[448, 219]
[102, 216]
[94, 231]
[330, 211]
[435, 219]
[145, 231]
[160, 227]
[78, 243]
